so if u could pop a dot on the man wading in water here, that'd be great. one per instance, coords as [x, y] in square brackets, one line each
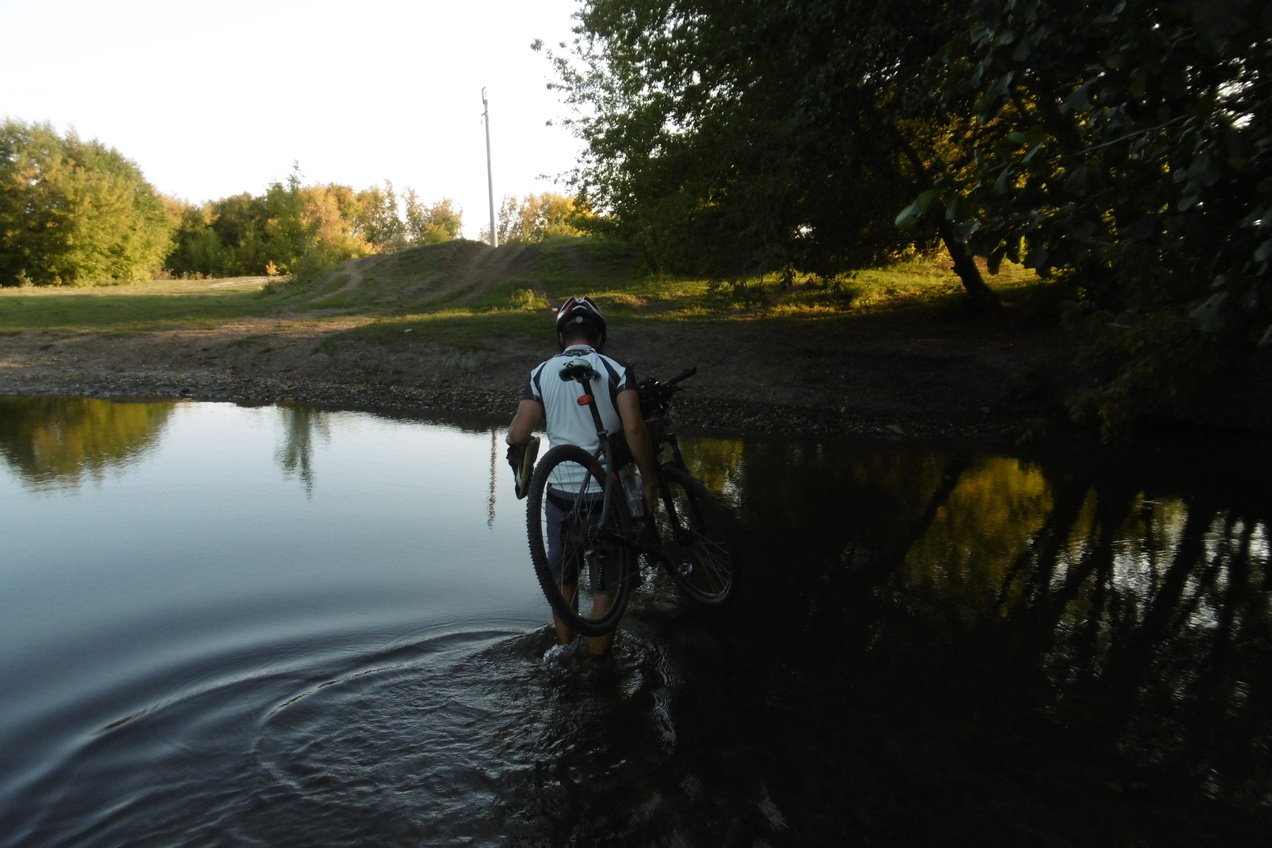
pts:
[580, 331]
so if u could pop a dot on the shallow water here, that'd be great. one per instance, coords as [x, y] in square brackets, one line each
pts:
[279, 625]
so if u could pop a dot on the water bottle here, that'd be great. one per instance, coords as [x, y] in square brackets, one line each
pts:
[632, 488]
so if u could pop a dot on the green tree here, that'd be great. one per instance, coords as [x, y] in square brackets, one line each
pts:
[536, 217]
[327, 216]
[195, 247]
[302, 230]
[74, 212]
[758, 136]
[1131, 151]
[377, 219]
[238, 224]
[435, 224]
[288, 233]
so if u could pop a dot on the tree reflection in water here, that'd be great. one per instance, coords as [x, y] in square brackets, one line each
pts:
[1125, 602]
[1153, 608]
[296, 453]
[56, 442]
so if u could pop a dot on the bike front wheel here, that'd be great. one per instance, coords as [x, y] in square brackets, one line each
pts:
[578, 548]
[698, 539]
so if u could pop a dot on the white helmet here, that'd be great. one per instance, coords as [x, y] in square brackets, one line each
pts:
[580, 310]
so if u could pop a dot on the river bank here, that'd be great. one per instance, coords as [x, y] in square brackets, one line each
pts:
[993, 377]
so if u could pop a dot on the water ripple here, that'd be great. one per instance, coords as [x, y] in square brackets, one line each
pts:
[459, 738]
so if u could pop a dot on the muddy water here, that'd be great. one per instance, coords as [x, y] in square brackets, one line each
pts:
[276, 625]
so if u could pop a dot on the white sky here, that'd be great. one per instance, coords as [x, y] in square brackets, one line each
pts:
[212, 100]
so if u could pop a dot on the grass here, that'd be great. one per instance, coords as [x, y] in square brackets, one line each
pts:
[461, 292]
[138, 307]
[460, 329]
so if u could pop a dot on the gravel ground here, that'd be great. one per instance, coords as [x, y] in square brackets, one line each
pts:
[987, 377]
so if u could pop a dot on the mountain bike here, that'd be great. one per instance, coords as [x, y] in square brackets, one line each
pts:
[595, 501]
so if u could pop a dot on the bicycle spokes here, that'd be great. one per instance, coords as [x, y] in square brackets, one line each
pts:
[699, 547]
[584, 572]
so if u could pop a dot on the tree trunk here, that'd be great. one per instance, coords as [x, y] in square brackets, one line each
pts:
[978, 291]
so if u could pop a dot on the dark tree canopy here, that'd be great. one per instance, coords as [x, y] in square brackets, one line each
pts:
[757, 136]
[1130, 149]
[1123, 147]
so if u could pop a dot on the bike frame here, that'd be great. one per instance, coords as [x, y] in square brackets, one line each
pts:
[583, 373]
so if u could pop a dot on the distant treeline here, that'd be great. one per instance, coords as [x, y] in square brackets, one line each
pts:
[297, 229]
[76, 212]
[301, 230]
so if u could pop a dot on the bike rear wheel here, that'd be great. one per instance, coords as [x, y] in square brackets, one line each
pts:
[698, 539]
[584, 567]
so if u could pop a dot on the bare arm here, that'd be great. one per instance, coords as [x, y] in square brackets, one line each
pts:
[529, 416]
[641, 447]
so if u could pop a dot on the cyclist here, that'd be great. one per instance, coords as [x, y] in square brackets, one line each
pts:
[551, 399]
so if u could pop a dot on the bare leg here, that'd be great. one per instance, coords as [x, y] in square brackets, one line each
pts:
[599, 646]
[564, 634]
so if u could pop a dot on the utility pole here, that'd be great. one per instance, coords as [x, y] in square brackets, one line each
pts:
[490, 174]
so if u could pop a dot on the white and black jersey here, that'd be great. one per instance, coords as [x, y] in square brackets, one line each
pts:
[566, 422]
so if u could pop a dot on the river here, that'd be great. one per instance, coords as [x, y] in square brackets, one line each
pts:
[277, 625]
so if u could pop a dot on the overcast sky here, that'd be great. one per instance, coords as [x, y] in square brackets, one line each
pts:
[212, 100]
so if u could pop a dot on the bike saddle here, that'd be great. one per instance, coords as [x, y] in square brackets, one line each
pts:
[578, 371]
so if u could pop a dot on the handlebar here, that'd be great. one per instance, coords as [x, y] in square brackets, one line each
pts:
[655, 396]
[683, 375]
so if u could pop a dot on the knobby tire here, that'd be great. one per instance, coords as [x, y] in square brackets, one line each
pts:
[580, 531]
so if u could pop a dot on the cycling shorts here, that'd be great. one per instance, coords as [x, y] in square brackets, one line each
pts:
[566, 560]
